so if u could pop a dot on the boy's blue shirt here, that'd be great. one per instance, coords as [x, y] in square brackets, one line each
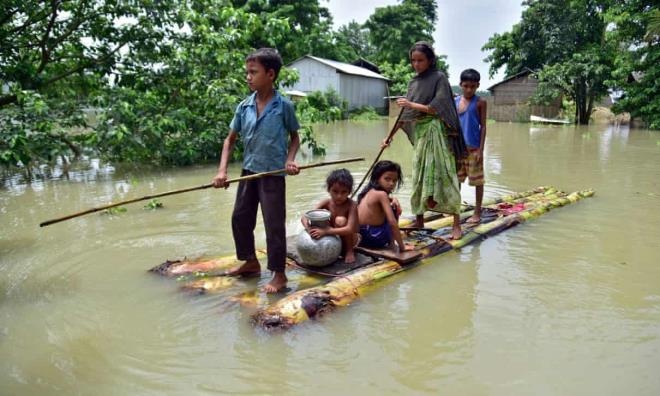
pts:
[470, 122]
[265, 139]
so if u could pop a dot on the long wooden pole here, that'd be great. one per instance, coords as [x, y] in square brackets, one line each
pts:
[389, 138]
[183, 190]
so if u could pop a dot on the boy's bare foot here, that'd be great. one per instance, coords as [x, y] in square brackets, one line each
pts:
[277, 283]
[430, 202]
[350, 257]
[248, 268]
[474, 219]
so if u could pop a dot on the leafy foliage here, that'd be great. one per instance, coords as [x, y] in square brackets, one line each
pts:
[366, 113]
[564, 40]
[321, 107]
[582, 49]
[162, 78]
[55, 56]
[636, 30]
[394, 29]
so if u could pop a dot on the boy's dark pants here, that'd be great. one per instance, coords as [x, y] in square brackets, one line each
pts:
[269, 191]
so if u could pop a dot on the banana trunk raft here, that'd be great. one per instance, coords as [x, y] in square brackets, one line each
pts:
[313, 294]
[200, 268]
[316, 301]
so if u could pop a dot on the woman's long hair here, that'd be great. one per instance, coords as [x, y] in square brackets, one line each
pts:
[380, 168]
[426, 49]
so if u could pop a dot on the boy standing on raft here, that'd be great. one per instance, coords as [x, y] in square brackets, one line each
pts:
[265, 120]
[472, 114]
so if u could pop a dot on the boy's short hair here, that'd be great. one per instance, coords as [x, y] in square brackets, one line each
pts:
[470, 75]
[340, 176]
[269, 58]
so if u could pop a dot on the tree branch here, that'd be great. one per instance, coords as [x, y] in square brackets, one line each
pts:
[45, 51]
[84, 66]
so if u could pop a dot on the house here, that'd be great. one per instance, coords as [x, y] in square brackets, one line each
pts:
[357, 85]
[510, 99]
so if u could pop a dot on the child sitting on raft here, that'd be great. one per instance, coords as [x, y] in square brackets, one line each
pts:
[377, 212]
[343, 213]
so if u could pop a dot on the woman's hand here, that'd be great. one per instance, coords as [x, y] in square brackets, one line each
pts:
[403, 102]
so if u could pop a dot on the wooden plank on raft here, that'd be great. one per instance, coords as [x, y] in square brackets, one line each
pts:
[389, 254]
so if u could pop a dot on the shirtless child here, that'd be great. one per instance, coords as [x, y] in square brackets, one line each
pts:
[377, 215]
[343, 213]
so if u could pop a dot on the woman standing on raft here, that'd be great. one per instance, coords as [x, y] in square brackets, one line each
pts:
[431, 122]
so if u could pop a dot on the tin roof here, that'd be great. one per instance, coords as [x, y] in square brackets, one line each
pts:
[346, 68]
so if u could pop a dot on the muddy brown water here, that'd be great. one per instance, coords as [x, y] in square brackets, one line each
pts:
[565, 304]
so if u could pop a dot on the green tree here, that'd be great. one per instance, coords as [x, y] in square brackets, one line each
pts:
[55, 57]
[634, 27]
[428, 7]
[310, 27]
[565, 40]
[352, 43]
[174, 106]
[394, 29]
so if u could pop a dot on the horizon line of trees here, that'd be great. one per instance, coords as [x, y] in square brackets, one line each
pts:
[163, 78]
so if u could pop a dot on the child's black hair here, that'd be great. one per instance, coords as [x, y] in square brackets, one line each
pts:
[470, 75]
[380, 168]
[426, 49]
[269, 58]
[340, 176]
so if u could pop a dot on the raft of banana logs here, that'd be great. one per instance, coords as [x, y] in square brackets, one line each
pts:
[313, 292]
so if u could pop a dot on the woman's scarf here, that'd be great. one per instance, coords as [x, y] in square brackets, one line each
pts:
[432, 88]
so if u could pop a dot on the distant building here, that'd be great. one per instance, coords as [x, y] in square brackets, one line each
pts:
[510, 99]
[367, 65]
[357, 85]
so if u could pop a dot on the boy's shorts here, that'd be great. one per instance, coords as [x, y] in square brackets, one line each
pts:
[472, 169]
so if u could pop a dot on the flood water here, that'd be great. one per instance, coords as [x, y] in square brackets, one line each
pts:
[565, 304]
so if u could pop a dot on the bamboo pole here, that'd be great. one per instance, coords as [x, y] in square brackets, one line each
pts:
[388, 139]
[202, 187]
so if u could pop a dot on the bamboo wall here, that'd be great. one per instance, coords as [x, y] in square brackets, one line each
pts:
[509, 102]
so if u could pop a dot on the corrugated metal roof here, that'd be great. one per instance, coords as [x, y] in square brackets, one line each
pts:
[346, 68]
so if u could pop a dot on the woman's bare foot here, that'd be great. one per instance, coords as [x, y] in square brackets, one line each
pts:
[248, 268]
[350, 257]
[430, 202]
[277, 283]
